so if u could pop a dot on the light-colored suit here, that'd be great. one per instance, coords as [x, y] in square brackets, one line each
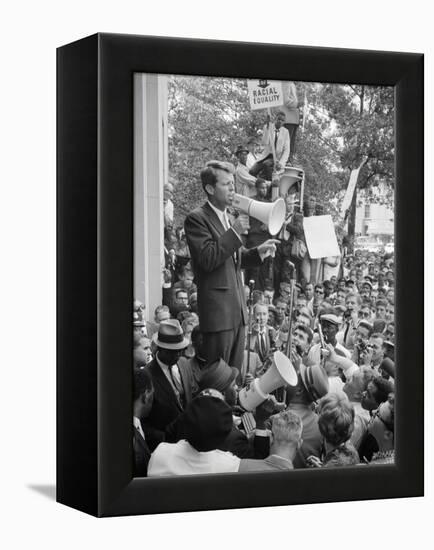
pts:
[282, 145]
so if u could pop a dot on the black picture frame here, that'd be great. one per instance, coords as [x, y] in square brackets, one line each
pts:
[95, 273]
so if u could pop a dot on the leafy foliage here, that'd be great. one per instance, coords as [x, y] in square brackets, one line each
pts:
[210, 117]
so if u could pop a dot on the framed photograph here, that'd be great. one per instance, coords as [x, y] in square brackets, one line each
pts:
[235, 226]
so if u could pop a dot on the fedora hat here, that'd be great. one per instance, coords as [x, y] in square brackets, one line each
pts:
[218, 375]
[315, 380]
[170, 335]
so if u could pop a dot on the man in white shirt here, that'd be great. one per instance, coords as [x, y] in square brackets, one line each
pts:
[245, 183]
[276, 143]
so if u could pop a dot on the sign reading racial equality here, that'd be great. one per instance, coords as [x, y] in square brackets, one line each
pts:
[265, 93]
[320, 236]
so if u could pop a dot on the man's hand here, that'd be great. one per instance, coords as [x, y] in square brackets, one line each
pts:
[241, 224]
[366, 356]
[278, 166]
[295, 360]
[268, 248]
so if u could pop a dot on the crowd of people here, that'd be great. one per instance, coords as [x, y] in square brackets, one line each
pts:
[204, 345]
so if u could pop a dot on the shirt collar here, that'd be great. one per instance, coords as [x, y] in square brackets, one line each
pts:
[221, 214]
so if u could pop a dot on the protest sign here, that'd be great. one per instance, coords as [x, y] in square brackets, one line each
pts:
[320, 237]
[265, 93]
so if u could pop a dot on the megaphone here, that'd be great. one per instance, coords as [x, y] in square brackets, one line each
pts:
[280, 373]
[270, 213]
[291, 175]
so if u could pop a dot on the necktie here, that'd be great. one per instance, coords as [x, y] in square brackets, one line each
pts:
[262, 344]
[176, 380]
[276, 135]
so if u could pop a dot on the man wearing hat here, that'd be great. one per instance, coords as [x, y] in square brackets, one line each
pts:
[245, 183]
[207, 421]
[217, 257]
[223, 378]
[174, 385]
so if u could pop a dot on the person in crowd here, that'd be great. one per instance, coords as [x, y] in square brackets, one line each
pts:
[252, 147]
[142, 353]
[174, 384]
[389, 333]
[361, 350]
[161, 313]
[258, 234]
[376, 393]
[207, 423]
[292, 116]
[196, 360]
[336, 423]
[378, 441]
[142, 404]
[285, 440]
[217, 260]
[245, 183]
[380, 309]
[221, 377]
[185, 281]
[180, 302]
[312, 384]
[263, 336]
[276, 142]
[351, 320]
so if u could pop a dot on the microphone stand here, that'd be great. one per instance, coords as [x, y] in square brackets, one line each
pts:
[290, 313]
[249, 322]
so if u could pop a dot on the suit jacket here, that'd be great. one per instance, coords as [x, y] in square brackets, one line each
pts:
[141, 454]
[282, 145]
[161, 424]
[270, 339]
[220, 294]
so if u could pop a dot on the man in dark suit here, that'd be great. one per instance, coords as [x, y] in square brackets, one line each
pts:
[263, 338]
[174, 384]
[217, 258]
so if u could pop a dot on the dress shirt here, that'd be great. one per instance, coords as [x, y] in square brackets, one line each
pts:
[224, 220]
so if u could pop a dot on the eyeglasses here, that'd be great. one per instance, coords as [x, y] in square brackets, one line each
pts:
[317, 291]
[365, 314]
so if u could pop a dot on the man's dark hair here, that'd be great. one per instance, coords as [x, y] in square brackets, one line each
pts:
[382, 389]
[368, 326]
[208, 174]
[306, 330]
[319, 285]
[142, 381]
[379, 303]
[281, 113]
[160, 308]
[180, 291]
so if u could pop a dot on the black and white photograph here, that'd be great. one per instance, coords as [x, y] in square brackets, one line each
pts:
[264, 275]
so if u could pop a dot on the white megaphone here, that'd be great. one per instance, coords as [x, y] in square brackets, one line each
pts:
[270, 213]
[280, 373]
[291, 175]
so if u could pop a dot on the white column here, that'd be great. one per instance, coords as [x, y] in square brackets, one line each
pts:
[150, 174]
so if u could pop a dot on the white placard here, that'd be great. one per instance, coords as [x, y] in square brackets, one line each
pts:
[265, 93]
[320, 236]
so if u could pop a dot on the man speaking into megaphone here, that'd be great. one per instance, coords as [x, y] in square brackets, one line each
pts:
[217, 257]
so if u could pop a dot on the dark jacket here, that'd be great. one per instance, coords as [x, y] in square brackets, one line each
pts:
[220, 294]
[160, 425]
